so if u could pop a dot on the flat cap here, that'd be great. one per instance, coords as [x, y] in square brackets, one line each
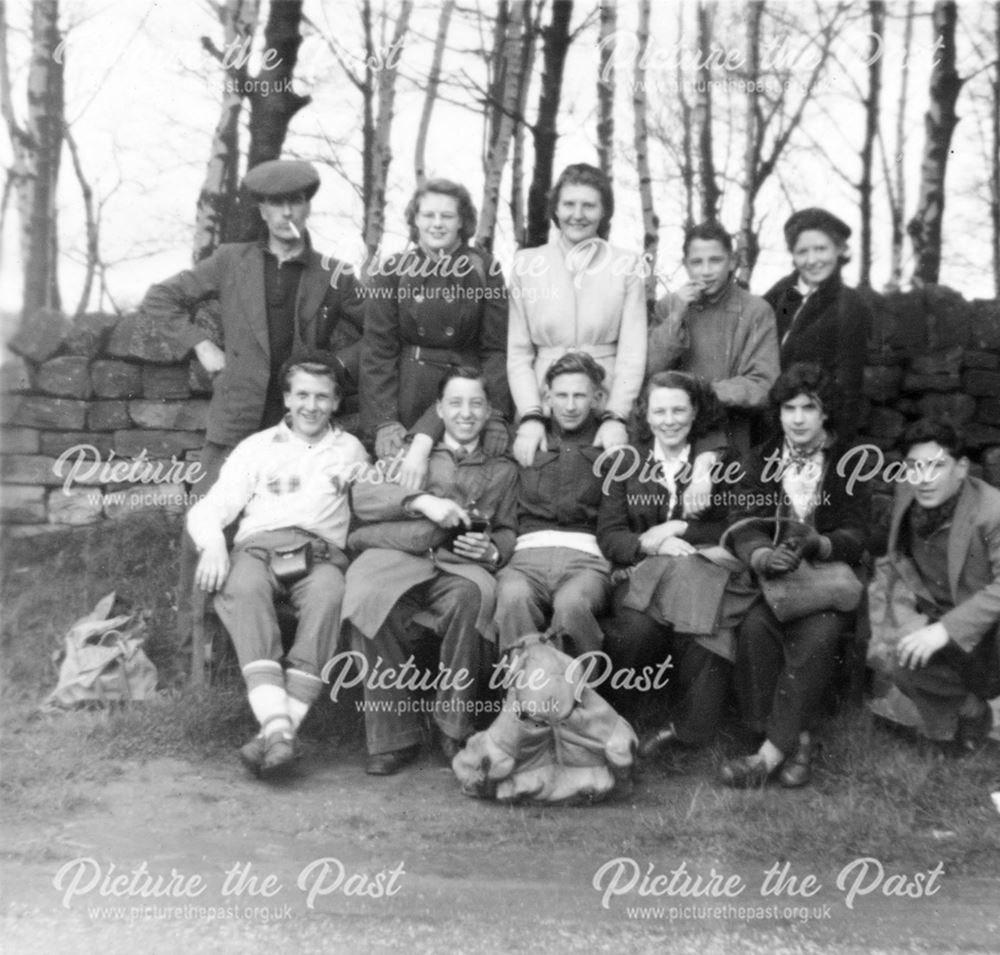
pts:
[282, 177]
[819, 219]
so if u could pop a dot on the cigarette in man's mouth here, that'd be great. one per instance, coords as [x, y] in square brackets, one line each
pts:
[295, 232]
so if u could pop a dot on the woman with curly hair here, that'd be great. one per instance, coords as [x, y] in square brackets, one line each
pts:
[681, 596]
[783, 670]
[441, 304]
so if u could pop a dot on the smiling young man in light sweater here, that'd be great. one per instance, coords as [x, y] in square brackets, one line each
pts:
[290, 484]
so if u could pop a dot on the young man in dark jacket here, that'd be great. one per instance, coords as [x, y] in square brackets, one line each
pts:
[946, 526]
[558, 579]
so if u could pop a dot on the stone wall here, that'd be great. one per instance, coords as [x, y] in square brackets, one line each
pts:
[104, 400]
[91, 431]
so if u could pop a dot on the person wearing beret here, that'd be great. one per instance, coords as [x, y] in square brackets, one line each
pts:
[819, 318]
[276, 296]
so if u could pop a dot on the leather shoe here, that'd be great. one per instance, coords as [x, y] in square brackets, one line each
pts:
[747, 772]
[386, 764]
[279, 753]
[796, 771]
[653, 742]
[252, 753]
[974, 731]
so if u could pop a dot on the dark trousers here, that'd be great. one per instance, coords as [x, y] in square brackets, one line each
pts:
[392, 717]
[698, 679]
[939, 689]
[213, 456]
[783, 671]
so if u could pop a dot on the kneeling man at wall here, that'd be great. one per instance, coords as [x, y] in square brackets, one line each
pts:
[426, 576]
[290, 483]
[946, 526]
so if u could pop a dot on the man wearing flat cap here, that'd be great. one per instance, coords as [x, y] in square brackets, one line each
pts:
[276, 296]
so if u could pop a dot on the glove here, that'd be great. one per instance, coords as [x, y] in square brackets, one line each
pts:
[776, 561]
[389, 440]
[813, 545]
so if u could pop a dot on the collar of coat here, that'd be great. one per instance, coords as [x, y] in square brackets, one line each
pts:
[960, 533]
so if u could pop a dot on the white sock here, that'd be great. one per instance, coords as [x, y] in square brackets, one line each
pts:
[270, 705]
[297, 711]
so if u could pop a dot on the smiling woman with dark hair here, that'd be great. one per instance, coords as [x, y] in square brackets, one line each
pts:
[681, 597]
[819, 318]
[439, 305]
[576, 292]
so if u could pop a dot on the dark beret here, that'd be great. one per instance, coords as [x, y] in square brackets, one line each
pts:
[819, 219]
[282, 177]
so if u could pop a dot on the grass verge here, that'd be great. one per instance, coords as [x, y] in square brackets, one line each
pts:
[874, 794]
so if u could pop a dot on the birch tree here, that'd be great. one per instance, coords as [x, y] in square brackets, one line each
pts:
[873, 101]
[650, 222]
[508, 55]
[710, 192]
[37, 148]
[608, 26]
[430, 96]
[939, 124]
[379, 87]
[555, 45]
[217, 198]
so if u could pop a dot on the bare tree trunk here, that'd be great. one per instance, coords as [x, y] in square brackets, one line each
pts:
[939, 125]
[508, 58]
[710, 193]
[897, 192]
[650, 222]
[217, 199]
[608, 12]
[995, 163]
[273, 103]
[517, 213]
[366, 87]
[93, 231]
[37, 149]
[872, 105]
[687, 147]
[385, 86]
[748, 243]
[556, 41]
[433, 79]
[518, 210]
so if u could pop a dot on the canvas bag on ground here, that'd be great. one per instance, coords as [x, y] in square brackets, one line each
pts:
[104, 661]
[555, 741]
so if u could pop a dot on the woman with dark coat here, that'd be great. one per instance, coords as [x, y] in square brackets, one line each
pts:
[439, 305]
[783, 670]
[819, 318]
[678, 599]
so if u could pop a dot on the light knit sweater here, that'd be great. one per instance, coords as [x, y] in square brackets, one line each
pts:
[588, 297]
[278, 479]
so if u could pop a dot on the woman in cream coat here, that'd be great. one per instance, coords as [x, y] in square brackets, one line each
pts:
[577, 292]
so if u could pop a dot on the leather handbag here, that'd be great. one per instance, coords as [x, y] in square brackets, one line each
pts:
[810, 588]
[290, 564]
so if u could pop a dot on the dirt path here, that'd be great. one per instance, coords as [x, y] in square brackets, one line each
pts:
[175, 856]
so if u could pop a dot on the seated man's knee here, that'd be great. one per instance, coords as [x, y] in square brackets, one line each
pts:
[513, 587]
